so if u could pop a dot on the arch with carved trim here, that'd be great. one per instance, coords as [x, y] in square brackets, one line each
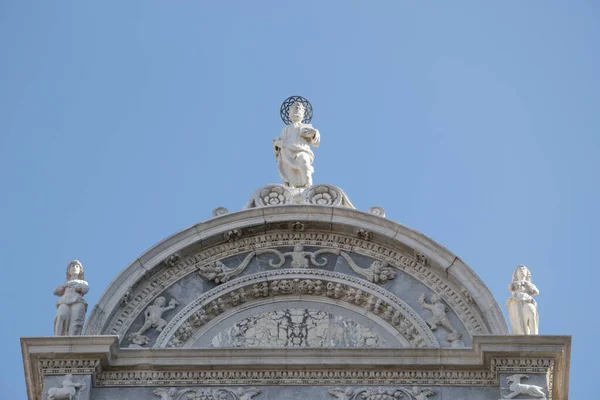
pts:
[183, 256]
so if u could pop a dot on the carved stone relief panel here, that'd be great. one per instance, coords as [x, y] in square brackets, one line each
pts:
[67, 387]
[292, 327]
[315, 284]
[300, 250]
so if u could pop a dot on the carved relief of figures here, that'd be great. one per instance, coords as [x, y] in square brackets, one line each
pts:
[153, 319]
[207, 394]
[517, 388]
[292, 149]
[70, 390]
[439, 318]
[415, 393]
[314, 287]
[71, 306]
[378, 272]
[522, 308]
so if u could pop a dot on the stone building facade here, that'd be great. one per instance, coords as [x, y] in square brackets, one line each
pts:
[297, 296]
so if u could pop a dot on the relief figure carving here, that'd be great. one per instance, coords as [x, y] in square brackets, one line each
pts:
[153, 319]
[439, 318]
[517, 388]
[378, 272]
[70, 390]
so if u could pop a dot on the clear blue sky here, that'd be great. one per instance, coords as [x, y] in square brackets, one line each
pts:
[477, 123]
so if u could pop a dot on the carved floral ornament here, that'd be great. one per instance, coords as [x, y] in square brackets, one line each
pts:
[319, 194]
[206, 394]
[340, 288]
[382, 393]
[207, 263]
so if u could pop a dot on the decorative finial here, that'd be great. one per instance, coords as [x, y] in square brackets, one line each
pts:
[522, 308]
[292, 147]
[71, 307]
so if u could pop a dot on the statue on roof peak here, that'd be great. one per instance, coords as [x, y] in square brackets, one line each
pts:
[292, 147]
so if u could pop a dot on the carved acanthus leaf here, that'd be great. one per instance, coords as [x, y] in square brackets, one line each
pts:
[382, 393]
[206, 394]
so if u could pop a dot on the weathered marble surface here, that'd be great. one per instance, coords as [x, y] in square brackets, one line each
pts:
[297, 328]
[405, 286]
[317, 393]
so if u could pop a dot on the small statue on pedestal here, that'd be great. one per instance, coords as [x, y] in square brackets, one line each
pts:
[71, 307]
[522, 308]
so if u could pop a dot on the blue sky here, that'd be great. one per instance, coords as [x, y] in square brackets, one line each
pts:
[473, 122]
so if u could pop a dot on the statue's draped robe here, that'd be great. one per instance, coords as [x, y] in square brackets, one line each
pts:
[522, 309]
[294, 157]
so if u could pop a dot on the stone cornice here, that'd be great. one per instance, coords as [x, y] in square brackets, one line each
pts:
[480, 365]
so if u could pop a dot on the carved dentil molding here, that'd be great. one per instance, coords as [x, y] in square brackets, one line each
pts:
[300, 282]
[141, 297]
[329, 376]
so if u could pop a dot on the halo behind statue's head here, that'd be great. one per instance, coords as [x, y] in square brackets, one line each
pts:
[284, 111]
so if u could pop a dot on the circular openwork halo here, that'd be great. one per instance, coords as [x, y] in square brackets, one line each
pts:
[285, 108]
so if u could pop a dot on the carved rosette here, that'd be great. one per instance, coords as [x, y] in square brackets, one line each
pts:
[320, 194]
[341, 288]
[271, 195]
[323, 195]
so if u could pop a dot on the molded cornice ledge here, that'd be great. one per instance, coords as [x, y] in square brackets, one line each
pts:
[480, 365]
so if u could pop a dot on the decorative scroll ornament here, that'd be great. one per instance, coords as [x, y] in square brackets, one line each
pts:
[416, 393]
[70, 390]
[217, 212]
[206, 394]
[378, 272]
[378, 211]
[517, 388]
[284, 110]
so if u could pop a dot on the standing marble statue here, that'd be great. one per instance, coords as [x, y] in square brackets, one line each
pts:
[522, 308]
[71, 307]
[292, 149]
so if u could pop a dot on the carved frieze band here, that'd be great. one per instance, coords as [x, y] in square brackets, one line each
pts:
[332, 285]
[206, 393]
[430, 277]
[382, 393]
[331, 376]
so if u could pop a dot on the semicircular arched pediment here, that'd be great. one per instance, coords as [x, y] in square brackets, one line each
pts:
[313, 286]
[376, 251]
